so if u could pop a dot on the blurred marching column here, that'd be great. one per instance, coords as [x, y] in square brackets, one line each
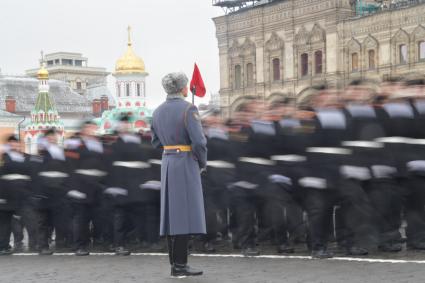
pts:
[151, 197]
[128, 172]
[373, 165]
[89, 171]
[220, 173]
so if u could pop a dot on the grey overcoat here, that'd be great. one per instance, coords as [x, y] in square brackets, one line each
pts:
[176, 122]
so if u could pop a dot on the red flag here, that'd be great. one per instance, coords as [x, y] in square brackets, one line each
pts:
[197, 86]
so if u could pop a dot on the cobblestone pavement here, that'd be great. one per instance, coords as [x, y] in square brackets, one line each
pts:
[107, 268]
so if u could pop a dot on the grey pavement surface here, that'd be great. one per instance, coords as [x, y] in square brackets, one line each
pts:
[142, 268]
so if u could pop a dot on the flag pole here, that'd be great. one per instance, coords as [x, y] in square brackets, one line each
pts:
[193, 90]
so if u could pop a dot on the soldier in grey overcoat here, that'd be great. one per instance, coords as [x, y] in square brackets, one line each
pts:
[176, 128]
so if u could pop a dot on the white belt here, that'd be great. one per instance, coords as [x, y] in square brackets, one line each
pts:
[393, 140]
[289, 158]
[383, 171]
[116, 191]
[329, 150]
[76, 194]
[151, 185]
[91, 172]
[355, 172]
[365, 144]
[245, 185]
[53, 174]
[155, 161]
[132, 164]
[256, 160]
[416, 165]
[416, 141]
[220, 164]
[15, 177]
[313, 182]
[280, 179]
[3, 201]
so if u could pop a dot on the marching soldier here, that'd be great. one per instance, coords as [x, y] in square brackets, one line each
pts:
[128, 172]
[220, 174]
[51, 186]
[176, 127]
[14, 189]
[87, 153]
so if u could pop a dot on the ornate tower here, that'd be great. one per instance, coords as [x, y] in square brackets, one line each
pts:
[44, 116]
[130, 78]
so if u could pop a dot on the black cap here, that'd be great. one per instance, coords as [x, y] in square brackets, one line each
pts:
[50, 132]
[12, 138]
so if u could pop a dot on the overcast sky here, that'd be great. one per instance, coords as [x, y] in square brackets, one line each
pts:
[170, 35]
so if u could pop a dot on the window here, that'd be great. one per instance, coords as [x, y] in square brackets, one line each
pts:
[118, 90]
[79, 86]
[403, 53]
[276, 69]
[67, 62]
[371, 57]
[304, 64]
[318, 62]
[421, 50]
[50, 63]
[249, 74]
[354, 62]
[78, 63]
[127, 89]
[238, 76]
[138, 89]
[56, 61]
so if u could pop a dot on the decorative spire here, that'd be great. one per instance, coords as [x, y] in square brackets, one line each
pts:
[42, 58]
[129, 35]
[130, 62]
[42, 74]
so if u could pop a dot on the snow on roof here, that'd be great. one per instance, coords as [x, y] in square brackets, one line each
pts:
[25, 92]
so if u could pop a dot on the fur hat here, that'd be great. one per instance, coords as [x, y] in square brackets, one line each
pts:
[173, 83]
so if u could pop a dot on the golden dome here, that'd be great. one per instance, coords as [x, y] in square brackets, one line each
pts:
[129, 62]
[43, 74]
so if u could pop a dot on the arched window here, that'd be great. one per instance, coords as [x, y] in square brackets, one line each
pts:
[304, 64]
[354, 62]
[238, 76]
[127, 89]
[371, 59]
[318, 62]
[249, 74]
[421, 50]
[138, 89]
[118, 90]
[402, 48]
[276, 69]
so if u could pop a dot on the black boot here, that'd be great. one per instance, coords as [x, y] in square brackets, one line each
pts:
[45, 251]
[390, 247]
[321, 254]
[356, 251]
[180, 271]
[122, 251]
[82, 252]
[285, 249]
[250, 251]
[208, 247]
[6, 251]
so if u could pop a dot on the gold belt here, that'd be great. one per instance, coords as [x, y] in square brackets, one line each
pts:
[183, 148]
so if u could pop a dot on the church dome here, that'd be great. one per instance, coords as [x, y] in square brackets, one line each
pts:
[129, 63]
[43, 74]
